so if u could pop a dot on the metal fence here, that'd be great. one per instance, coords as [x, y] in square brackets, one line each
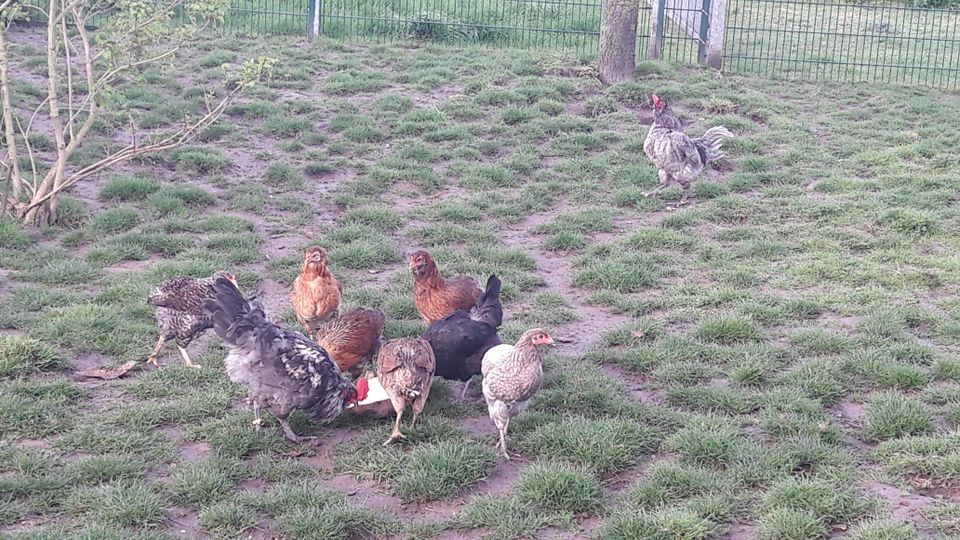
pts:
[844, 42]
[839, 41]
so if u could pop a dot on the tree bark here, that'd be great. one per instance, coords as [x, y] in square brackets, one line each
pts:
[13, 178]
[618, 41]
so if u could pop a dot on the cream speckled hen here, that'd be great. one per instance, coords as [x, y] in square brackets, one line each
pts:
[512, 374]
[679, 158]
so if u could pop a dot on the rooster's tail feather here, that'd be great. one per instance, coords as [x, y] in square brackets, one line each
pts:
[234, 319]
[712, 140]
[488, 308]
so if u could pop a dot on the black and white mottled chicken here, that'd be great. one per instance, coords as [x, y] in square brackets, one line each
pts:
[180, 314]
[678, 157]
[460, 339]
[282, 371]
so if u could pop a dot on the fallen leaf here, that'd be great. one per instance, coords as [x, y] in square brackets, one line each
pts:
[108, 374]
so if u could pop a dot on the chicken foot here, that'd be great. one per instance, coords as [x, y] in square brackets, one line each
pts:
[257, 421]
[289, 434]
[152, 359]
[396, 429]
[664, 183]
[463, 393]
[186, 358]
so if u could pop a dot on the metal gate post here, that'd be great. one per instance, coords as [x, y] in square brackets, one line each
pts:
[656, 28]
[704, 26]
[313, 17]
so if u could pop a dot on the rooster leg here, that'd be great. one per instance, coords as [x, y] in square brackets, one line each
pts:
[664, 182]
[152, 359]
[186, 358]
[463, 394]
[289, 434]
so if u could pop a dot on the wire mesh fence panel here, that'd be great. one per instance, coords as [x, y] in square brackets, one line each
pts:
[267, 17]
[844, 42]
[555, 24]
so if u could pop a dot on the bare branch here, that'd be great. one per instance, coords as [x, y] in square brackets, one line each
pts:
[169, 142]
[8, 116]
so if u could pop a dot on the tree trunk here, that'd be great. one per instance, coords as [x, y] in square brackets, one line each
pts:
[618, 41]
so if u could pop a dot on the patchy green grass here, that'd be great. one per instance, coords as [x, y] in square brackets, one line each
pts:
[748, 363]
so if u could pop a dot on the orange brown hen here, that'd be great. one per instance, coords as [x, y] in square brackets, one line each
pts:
[353, 338]
[436, 297]
[316, 292]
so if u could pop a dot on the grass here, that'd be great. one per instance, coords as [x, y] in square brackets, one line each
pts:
[751, 361]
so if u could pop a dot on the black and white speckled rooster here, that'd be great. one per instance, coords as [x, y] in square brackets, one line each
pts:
[180, 315]
[282, 371]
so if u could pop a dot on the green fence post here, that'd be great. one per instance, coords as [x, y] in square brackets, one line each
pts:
[704, 25]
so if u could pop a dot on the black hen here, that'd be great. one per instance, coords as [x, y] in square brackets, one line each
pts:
[283, 371]
[460, 339]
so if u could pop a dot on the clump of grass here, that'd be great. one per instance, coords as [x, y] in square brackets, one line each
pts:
[360, 246]
[12, 235]
[22, 356]
[559, 487]
[114, 220]
[826, 502]
[789, 524]
[883, 529]
[624, 273]
[228, 519]
[200, 160]
[283, 125]
[379, 218]
[283, 175]
[205, 482]
[587, 442]
[662, 524]
[508, 517]
[124, 504]
[891, 415]
[71, 213]
[727, 329]
[127, 188]
[707, 441]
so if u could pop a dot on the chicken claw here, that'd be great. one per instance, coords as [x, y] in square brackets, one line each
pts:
[395, 436]
[186, 358]
[290, 435]
[152, 360]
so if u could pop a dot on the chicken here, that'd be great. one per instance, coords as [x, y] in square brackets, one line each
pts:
[512, 374]
[436, 297]
[353, 338]
[282, 371]
[316, 293]
[405, 369]
[180, 315]
[678, 157]
[460, 339]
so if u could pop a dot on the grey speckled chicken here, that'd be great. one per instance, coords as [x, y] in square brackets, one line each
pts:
[180, 315]
[405, 369]
[512, 374]
[282, 371]
[679, 158]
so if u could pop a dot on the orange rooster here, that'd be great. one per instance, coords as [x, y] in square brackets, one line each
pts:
[436, 297]
[316, 293]
[353, 338]
[405, 369]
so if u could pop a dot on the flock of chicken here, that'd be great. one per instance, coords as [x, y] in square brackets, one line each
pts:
[286, 371]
